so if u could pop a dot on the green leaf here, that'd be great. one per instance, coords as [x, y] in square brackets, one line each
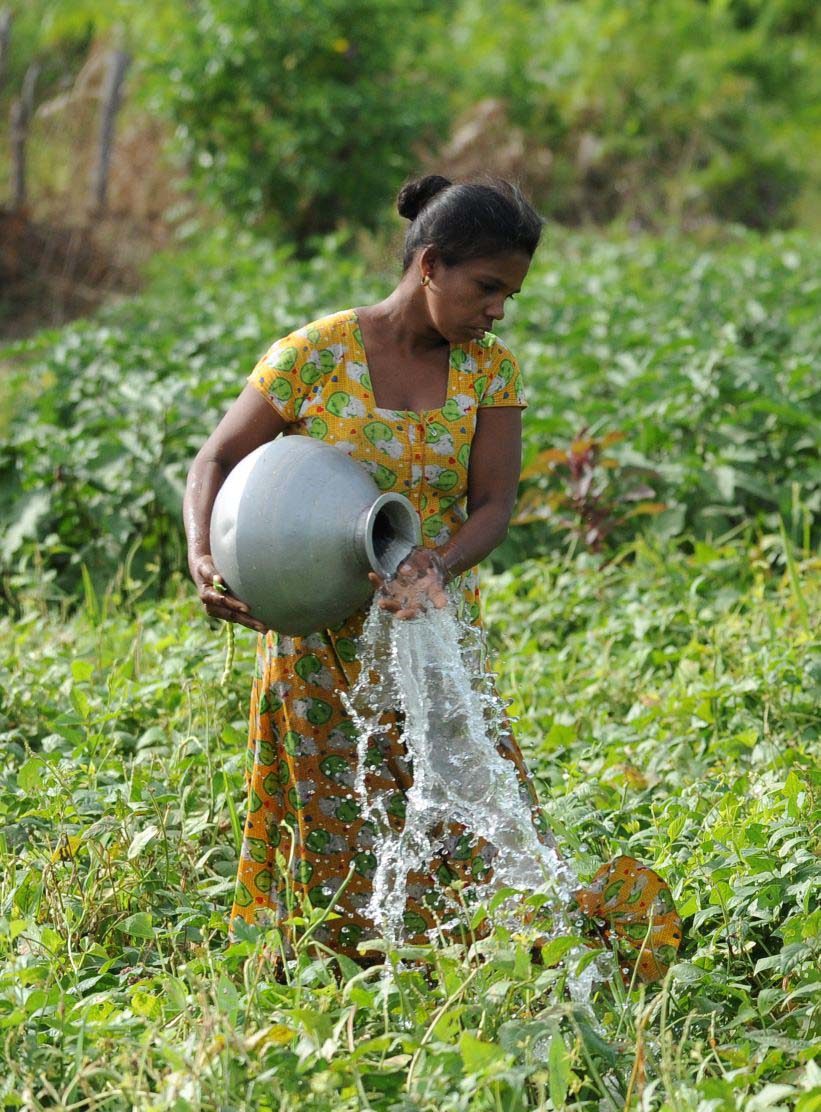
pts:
[141, 840]
[30, 775]
[79, 700]
[478, 1055]
[138, 925]
[556, 949]
[82, 670]
[227, 996]
[558, 1061]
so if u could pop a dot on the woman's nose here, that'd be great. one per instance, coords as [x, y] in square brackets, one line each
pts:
[496, 310]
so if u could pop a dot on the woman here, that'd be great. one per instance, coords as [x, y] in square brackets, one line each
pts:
[429, 401]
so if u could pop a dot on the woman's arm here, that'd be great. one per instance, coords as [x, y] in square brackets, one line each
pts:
[250, 422]
[493, 479]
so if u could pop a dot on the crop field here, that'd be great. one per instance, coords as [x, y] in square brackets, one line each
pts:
[663, 665]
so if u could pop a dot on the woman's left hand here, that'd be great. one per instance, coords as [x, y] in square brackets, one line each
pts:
[418, 584]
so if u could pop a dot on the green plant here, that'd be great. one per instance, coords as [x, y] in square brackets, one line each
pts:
[666, 702]
[585, 493]
[305, 122]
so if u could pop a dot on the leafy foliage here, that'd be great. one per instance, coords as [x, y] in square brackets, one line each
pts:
[594, 495]
[311, 121]
[309, 116]
[701, 358]
[664, 113]
[668, 705]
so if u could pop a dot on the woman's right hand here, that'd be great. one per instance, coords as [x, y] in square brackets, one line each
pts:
[218, 603]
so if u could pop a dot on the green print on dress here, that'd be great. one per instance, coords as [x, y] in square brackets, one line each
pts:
[341, 404]
[317, 428]
[365, 864]
[382, 437]
[296, 744]
[347, 811]
[439, 438]
[346, 649]
[303, 872]
[457, 407]
[264, 880]
[414, 923]
[318, 896]
[433, 525]
[336, 768]
[441, 478]
[310, 374]
[308, 667]
[501, 380]
[265, 753]
[315, 711]
[350, 934]
[270, 702]
[358, 372]
[242, 896]
[327, 359]
[462, 361]
[284, 360]
[274, 834]
[257, 849]
[281, 389]
[381, 475]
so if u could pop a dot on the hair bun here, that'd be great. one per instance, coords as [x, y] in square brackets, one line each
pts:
[415, 194]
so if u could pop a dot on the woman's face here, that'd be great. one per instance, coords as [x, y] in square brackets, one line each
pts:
[464, 301]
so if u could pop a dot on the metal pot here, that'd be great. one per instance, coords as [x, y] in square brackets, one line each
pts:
[295, 528]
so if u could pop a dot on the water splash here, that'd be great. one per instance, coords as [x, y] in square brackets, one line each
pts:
[431, 670]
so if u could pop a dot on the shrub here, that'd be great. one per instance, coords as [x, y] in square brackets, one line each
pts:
[308, 118]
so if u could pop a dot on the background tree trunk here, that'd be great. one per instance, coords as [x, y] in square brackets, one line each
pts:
[109, 106]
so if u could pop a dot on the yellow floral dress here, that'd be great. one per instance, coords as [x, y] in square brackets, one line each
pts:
[303, 833]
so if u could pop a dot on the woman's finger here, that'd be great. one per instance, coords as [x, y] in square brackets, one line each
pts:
[210, 595]
[226, 615]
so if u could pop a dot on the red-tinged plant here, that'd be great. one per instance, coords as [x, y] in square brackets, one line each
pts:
[583, 491]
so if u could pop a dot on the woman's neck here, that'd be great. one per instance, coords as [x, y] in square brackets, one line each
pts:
[404, 317]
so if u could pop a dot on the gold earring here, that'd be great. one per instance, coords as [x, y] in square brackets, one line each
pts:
[425, 279]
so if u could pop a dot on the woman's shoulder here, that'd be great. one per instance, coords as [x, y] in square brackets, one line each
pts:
[482, 358]
[325, 331]
[493, 350]
[496, 378]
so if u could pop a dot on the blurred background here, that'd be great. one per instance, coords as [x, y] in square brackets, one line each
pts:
[133, 126]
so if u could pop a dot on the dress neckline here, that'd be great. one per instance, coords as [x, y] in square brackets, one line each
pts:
[402, 412]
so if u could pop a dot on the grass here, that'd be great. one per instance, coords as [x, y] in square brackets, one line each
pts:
[668, 705]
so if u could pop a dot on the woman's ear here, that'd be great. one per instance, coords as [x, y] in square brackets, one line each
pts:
[427, 262]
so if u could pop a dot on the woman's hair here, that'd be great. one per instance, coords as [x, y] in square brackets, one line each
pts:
[467, 220]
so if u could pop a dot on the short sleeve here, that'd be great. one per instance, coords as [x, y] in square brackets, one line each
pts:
[285, 374]
[500, 380]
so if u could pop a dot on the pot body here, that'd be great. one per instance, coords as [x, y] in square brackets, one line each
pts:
[295, 529]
